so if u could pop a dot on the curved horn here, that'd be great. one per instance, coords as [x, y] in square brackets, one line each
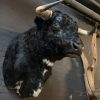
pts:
[85, 32]
[43, 10]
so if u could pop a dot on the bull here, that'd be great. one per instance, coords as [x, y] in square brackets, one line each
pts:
[31, 55]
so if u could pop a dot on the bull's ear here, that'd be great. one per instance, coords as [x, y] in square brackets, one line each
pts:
[39, 22]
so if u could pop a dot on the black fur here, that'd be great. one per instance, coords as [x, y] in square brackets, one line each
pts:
[52, 39]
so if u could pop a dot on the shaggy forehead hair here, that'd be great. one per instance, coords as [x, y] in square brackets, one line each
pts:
[64, 20]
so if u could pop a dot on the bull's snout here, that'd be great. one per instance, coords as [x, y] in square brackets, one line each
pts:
[77, 47]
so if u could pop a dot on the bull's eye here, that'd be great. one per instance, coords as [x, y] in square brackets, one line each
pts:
[56, 26]
[59, 18]
[57, 23]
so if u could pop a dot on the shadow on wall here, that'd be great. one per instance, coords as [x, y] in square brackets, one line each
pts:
[75, 80]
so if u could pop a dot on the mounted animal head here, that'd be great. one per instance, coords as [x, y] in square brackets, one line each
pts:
[60, 32]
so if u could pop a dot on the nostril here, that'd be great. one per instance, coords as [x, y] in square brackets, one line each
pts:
[76, 46]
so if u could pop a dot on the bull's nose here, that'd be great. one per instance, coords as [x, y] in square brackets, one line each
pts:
[77, 46]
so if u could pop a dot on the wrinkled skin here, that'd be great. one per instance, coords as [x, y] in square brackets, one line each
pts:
[30, 56]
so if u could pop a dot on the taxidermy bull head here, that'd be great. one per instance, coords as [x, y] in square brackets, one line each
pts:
[30, 56]
[62, 30]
